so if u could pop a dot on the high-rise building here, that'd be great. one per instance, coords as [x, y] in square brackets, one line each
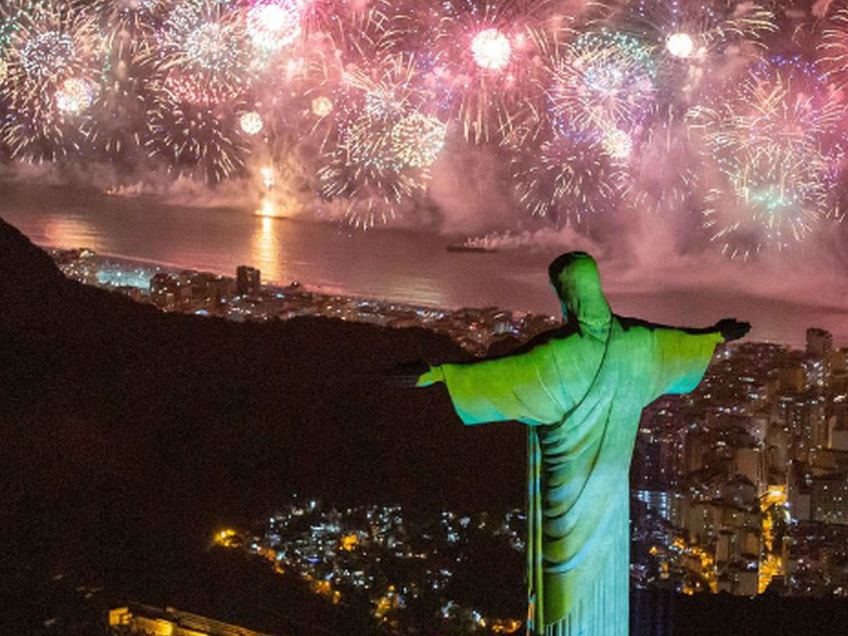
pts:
[668, 504]
[819, 343]
[776, 455]
[698, 445]
[829, 499]
[839, 430]
[792, 379]
[839, 371]
[749, 463]
[248, 280]
[798, 493]
[815, 373]
[210, 291]
[839, 360]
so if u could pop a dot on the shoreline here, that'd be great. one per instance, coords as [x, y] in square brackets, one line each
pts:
[199, 292]
[301, 287]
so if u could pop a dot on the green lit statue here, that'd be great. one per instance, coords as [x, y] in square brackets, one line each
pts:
[580, 390]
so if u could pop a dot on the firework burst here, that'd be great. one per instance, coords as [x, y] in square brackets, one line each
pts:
[689, 43]
[251, 123]
[604, 82]
[321, 106]
[115, 129]
[695, 31]
[360, 37]
[272, 25]
[130, 23]
[295, 108]
[54, 63]
[370, 161]
[486, 62]
[777, 147]
[566, 175]
[197, 84]
[593, 105]
[491, 50]
[319, 18]
[75, 95]
[833, 48]
[202, 53]
[418, 139]
[663, 174]
[197, 141]
[359, 50]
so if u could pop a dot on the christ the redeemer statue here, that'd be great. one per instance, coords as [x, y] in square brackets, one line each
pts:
[581, 390]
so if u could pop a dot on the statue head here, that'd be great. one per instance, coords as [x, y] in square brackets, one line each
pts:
[575, 277]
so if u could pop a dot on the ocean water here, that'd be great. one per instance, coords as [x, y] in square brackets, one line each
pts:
[385, 264]
[388, 264]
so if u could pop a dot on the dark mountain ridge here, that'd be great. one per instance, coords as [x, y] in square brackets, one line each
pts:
[131, 434]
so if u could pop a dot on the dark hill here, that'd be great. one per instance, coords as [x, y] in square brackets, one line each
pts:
[129, 434]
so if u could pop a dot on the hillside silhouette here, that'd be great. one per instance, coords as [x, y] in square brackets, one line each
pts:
[131, 434]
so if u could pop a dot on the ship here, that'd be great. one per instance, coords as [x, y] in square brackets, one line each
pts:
[470, 245]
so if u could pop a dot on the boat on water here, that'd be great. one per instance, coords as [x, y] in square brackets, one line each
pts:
[469, 245]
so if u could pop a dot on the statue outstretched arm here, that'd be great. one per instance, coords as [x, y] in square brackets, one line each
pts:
[414, 375]
[728, 328]
[520, 387]
[681, 355]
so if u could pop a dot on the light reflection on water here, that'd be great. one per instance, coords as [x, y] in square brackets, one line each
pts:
[266, 250]
[72, 230]
[388, 264]
[395, 265]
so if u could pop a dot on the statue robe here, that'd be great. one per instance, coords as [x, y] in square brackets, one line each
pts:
[581, 394]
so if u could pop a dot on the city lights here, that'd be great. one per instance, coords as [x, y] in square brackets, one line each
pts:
[347, 554]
